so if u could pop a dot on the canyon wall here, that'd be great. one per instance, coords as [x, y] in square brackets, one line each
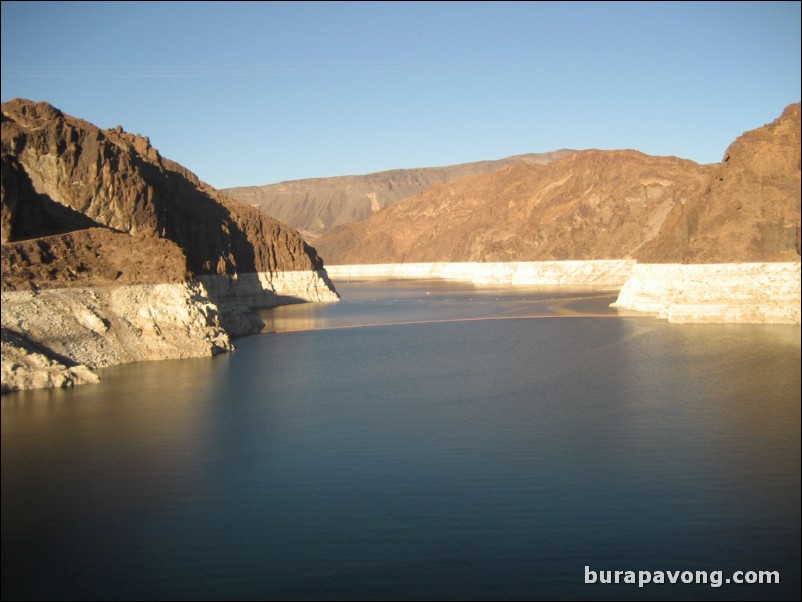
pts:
[600, 273]
[762, 292]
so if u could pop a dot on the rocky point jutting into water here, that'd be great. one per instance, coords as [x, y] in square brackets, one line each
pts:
[112, 253]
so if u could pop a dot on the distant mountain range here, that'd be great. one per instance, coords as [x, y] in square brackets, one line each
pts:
[313, 206]
[595, 205]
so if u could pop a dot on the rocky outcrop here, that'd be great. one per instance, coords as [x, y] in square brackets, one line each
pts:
[92, 257]
[104, 243]
[744, 292]
[25, 366]
[118, 180]
[235, 295]
[315, 205]
[86, 328]
[750, 210]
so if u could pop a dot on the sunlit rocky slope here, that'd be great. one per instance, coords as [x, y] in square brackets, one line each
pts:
[316, 205]
[600, 205]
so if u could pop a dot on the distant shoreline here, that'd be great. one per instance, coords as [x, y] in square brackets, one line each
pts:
[767, 292]
[611, 274]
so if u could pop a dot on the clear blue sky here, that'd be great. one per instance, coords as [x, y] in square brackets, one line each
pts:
[255, 93]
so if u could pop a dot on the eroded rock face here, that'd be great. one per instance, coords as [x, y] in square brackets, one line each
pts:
[728, 292]
[87, 328]
[750, 211]
[92, 257]
[588, 205]
[25, 366]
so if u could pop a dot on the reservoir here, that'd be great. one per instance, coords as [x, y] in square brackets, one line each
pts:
[418, 440]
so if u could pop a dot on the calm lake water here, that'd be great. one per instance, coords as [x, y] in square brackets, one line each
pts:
[476, 452]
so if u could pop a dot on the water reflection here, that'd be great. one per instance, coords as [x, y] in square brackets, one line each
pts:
[113, 441]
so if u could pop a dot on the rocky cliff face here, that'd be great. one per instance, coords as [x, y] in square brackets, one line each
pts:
[118, 180]
[316, 205]
[715, 292]
[85, 209]
[600, 205]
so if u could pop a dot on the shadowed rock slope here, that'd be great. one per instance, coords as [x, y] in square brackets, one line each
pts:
[111, 253]
[317, 204]
[600, 205]
[61, 173]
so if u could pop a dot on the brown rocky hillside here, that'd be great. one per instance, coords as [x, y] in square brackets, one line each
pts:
[132, 215]
[750, 211]
[317, 204]
[600, 205]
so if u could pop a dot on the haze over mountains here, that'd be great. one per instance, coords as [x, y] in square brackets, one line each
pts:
[600, 205]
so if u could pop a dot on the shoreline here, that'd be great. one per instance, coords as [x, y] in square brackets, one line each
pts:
[749, 292]
[609, 273]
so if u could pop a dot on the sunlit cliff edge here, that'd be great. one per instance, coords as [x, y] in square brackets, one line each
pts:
[112, 253]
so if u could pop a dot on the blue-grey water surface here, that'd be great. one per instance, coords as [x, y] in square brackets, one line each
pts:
[448, 458]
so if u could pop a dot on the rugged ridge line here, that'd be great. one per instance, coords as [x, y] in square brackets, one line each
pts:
[87, 212]
[589, 205]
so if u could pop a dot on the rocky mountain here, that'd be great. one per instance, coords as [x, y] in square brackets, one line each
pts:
[599, 205]
[318, 204]
[112, 253]
[63, 173]
[589, 205]
[749, 211]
